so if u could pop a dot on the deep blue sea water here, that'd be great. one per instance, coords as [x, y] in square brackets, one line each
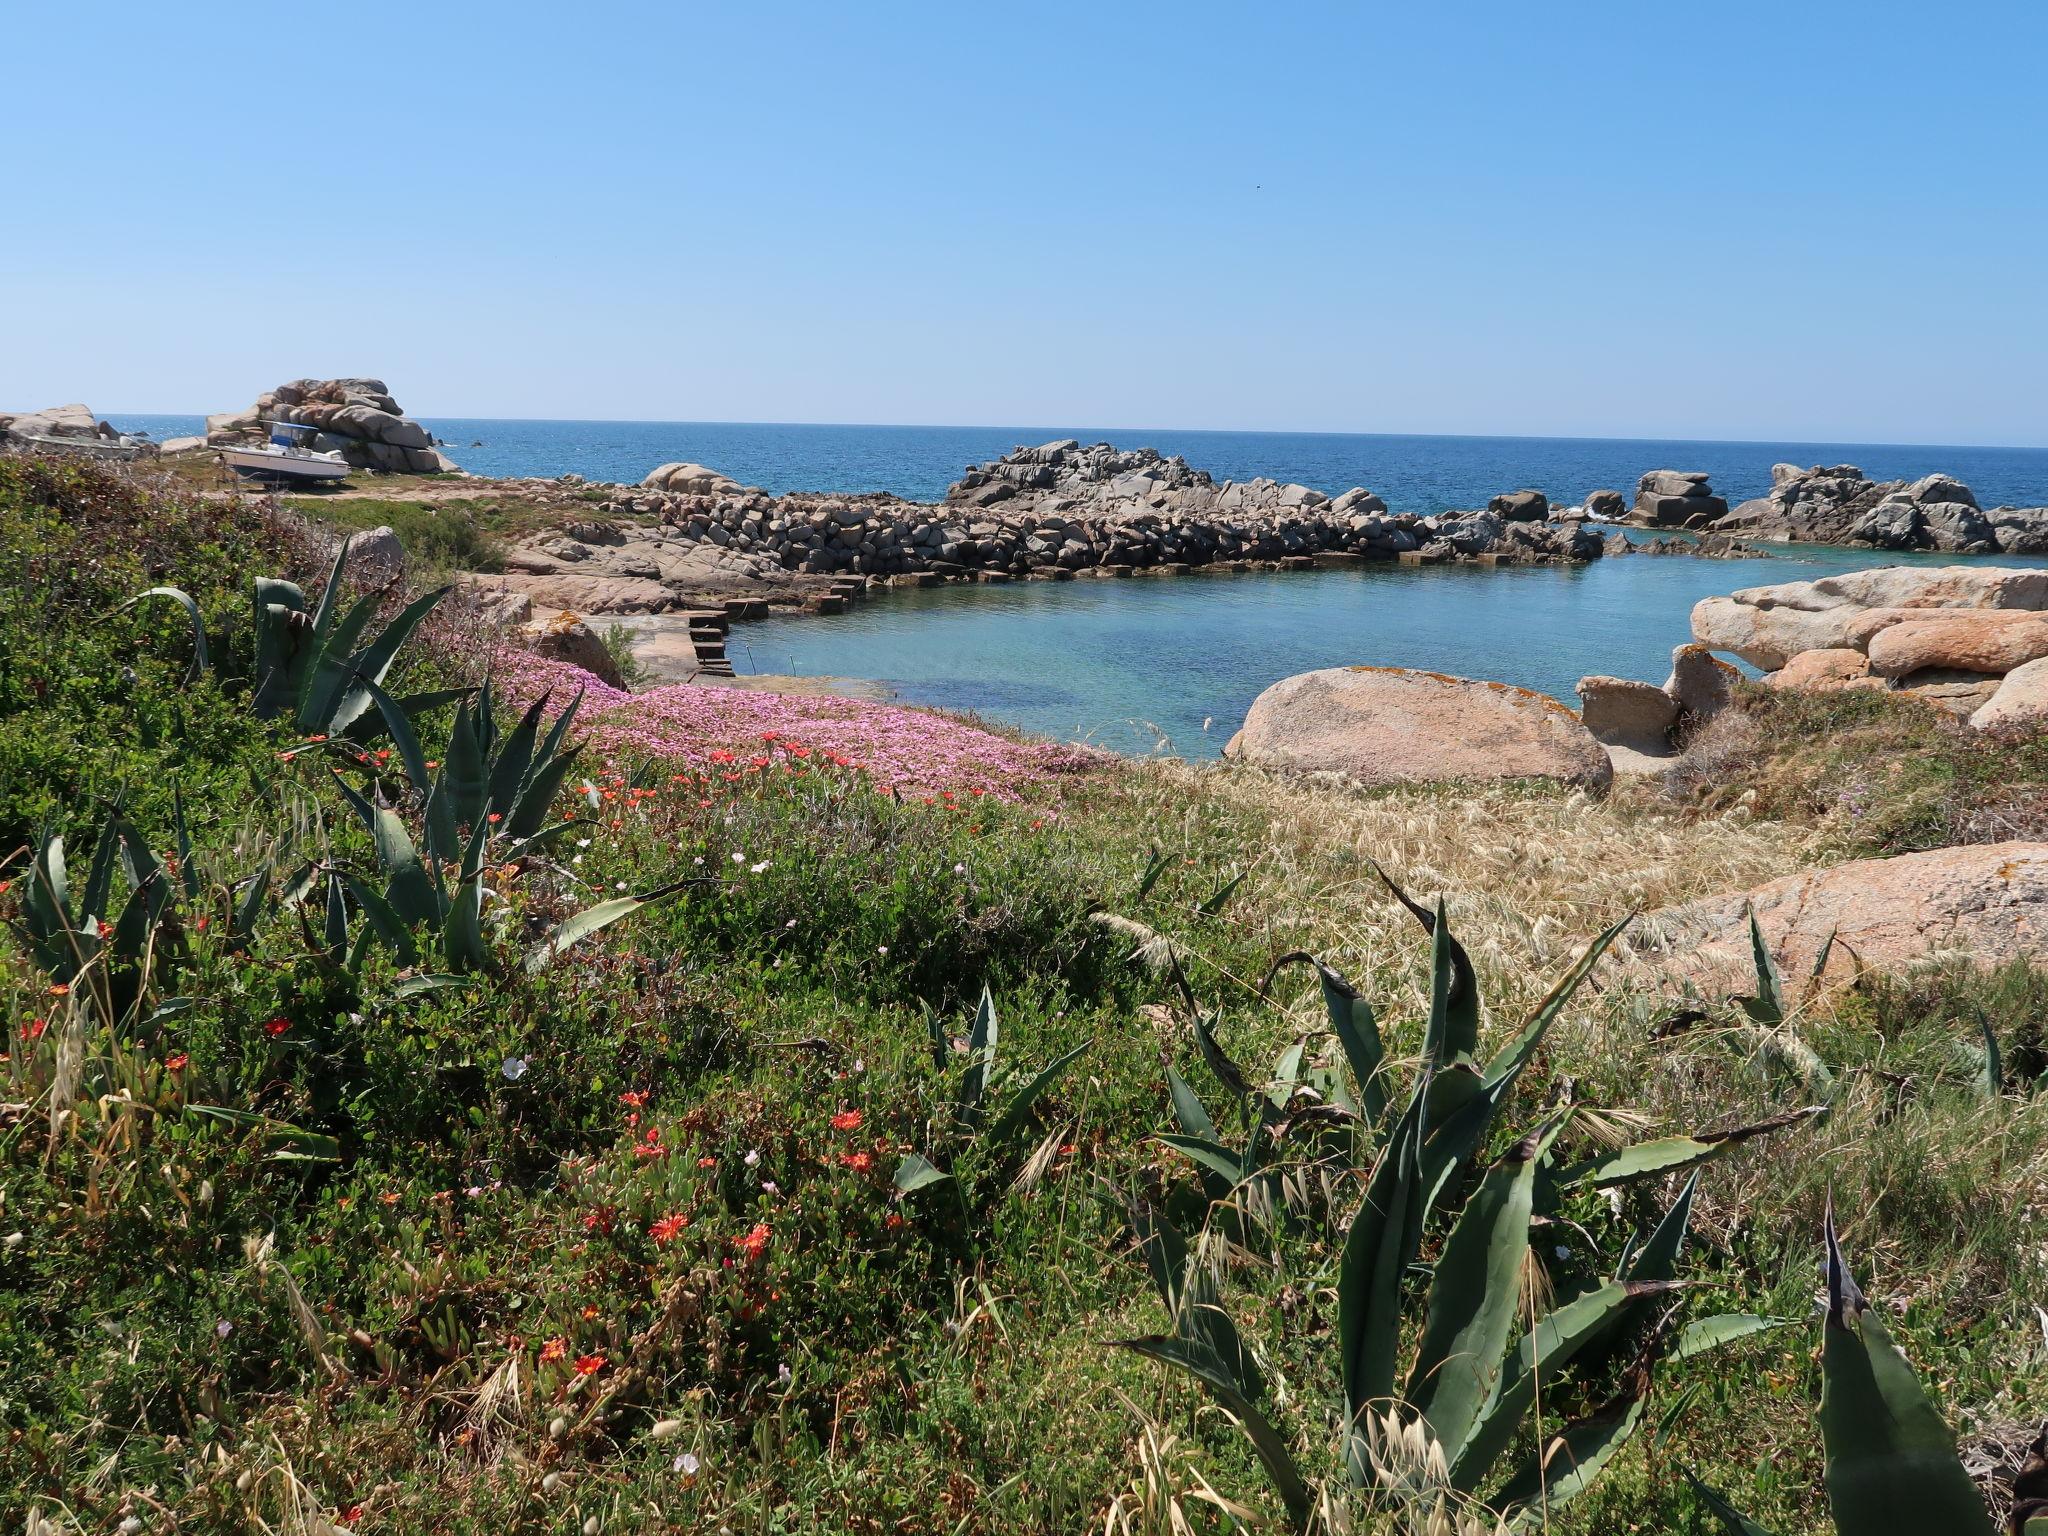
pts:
[1414, 474]
[1147, 663]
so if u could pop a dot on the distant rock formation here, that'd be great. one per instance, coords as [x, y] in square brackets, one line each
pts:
[1101, 481]
[69, 424]
[356, 418]
[692, 480]
[1673, 498]
[1839, 504]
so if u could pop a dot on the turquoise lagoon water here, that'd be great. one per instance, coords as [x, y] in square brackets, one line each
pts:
[1172, 663]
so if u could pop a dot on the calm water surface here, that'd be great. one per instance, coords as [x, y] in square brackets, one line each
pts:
[1150, 664]
[1172, 663]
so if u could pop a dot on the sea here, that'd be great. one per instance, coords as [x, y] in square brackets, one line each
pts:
[1170, 666]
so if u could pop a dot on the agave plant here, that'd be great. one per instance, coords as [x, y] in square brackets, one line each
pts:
[968, 1148]
[76, 939]
[1471, 1383]
[1891, 1461]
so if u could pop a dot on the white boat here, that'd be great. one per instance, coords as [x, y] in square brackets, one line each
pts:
[285, 459]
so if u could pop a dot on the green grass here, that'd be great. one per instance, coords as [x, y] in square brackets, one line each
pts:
[866, 1363]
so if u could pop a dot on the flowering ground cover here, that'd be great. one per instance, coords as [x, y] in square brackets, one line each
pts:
[913, 750]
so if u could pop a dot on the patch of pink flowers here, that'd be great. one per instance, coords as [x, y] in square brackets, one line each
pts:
[909, 749]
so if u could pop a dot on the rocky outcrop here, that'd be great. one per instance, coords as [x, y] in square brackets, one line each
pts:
[595, 565]
[1672, 498]
[1606, 505]
[565, 637]
[1988, 902]
[691, 480]
[2019, 705]
[1390, 725]
[1839, 504]
[1640, 724]
[68, 424]
[356, 418]
[375, 557]
[1946, 634]
[1520, 507]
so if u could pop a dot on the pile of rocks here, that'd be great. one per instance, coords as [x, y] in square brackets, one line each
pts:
[1065, 479]
[1641, 724]
[356, 418]
[691, 480]
[1839, 504]
[1971, 641]
[1674, 498]
[67, 424]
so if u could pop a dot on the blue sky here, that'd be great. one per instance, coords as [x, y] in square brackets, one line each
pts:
[1791, 221]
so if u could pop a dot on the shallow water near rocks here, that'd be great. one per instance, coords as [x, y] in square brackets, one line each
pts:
[1170, 664]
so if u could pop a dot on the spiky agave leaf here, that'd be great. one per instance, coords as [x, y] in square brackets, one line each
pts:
[1358, 1036]
[1733, 1521]
[573, 931]
[184, 599]
[1891, 1461]
[1673, 1154]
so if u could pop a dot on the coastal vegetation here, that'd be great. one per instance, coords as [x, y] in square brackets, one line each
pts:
[442, 1092]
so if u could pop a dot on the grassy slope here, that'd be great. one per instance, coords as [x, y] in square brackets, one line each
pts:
[863, 1364]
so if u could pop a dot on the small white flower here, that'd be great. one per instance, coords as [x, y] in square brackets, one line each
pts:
[959, 869]
[782, 1374]
[514, 1068]
[739, 858]
[575, 858]
[881, 949]
[753, 1157]
[770, 1187]
[790, 924]
[619, 885]
[475, 1191]
[688, 1464]
[699, 861]
[859, 1066]
[1563, 1252]
[223, 1328]
[582, 842]
[755, 869]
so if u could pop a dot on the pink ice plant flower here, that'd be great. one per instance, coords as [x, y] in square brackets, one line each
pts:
[913, 750]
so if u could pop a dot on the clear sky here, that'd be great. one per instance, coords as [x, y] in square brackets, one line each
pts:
[1794, 220]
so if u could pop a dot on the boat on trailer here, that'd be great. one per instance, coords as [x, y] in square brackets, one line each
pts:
[287, 459]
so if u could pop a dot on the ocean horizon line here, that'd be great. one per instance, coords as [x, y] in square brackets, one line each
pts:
[940, 426]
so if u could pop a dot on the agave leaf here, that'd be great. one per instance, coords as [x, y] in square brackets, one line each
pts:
[97, 899]
[1454, 1008]
[188, 872]
[320, 684]
[416, 986]
[179, 595]
[464, 773]
[1559, 1335]
[1509, 1063]
[462, 934]
[1153, 871]
[336, 933]
[330, 594]
[1569, 1460]
[283, 1141]
[1385, 1235]
[575, 930]
[412, 891]
[1202, 1363]
[914, 1173]
[281, 632]
[1227, 1071]
[1189, 1293]
[1014, 1113]
[1733, 1521]
[1220, 897]
[1187, 1108]
[1992, 1079]
[981, 1059]
[1657, 1259]
[1351, 1021]
[530, 812]
[1767, 1006]
[1211, 1155]
[1475, 1295]
[1705, 1333]
[406, 741]
[1891, 1461]
[374, 663]
[1669, 1154]
[515, 758]
[249, 906]
[383, 918]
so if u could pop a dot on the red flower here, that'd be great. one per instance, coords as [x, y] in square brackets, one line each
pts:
[494, 818]
[755, 1243]
[33, 1029]
[650, 1145]
[599, 1219]
[846, 1120]
[859, 1162]
[276, 1027]
[176, 1063]
[589, 1365]
[666, 1229]
[553, 1350]
[633, 1100]
[707, 1162]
